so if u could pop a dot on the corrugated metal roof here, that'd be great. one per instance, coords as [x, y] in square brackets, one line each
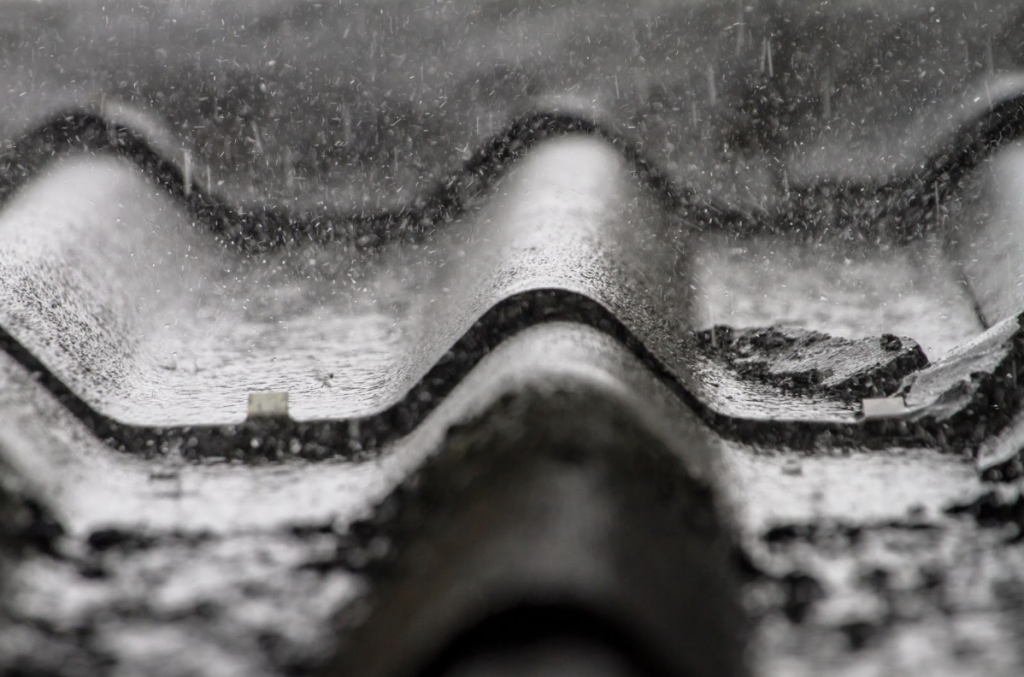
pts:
[387, 338]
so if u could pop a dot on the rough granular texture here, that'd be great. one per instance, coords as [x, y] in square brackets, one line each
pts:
[808, 361]
[705, 317]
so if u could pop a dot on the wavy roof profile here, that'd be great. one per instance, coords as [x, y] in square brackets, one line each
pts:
[366, 107]
[171, 330]
[163, 314]
[384, 308]
[514, 264]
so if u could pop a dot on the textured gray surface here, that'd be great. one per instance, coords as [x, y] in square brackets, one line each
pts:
[175, 330]
[244, 197]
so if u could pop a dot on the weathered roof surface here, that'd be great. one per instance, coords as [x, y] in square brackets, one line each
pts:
[358, 338]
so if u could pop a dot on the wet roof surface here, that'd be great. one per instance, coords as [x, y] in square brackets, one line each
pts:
[686, 335]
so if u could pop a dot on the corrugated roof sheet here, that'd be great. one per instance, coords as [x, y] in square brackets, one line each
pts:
[391, 337]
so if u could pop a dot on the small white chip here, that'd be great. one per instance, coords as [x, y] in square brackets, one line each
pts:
[268, 404]
[883, 407]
